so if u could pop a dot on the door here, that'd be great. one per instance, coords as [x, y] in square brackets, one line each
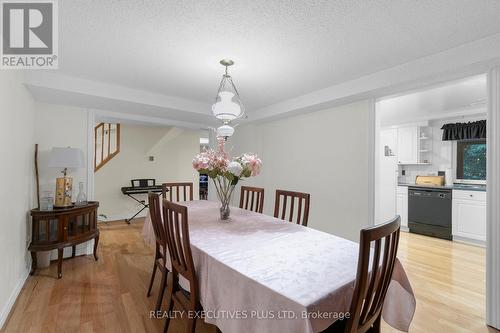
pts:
[407, 145]
[79, 224]
[387, 175]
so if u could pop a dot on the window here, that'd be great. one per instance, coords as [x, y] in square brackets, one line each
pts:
[471, 159]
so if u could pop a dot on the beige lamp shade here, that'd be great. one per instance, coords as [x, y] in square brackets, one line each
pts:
[66, 158]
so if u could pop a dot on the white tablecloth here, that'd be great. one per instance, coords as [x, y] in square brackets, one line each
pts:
[261, 274]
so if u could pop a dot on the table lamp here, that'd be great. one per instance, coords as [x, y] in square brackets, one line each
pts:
[65, 158]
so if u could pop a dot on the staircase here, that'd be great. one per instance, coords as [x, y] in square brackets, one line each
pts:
[106, 143]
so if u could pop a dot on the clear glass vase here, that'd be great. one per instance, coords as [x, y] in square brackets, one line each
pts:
[225, 211]
[81, 198]
[47, 201]
[225, 191]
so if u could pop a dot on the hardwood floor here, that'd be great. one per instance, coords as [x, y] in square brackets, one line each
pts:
[448, 279]
[110, 295]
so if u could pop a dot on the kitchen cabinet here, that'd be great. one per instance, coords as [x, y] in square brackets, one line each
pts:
[408, 145]
[402, 205]
[469, 215]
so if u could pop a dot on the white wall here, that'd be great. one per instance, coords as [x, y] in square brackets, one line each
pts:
[386, 175]
[173, 150]
[16, 191]
[60, 126]
[326, 154]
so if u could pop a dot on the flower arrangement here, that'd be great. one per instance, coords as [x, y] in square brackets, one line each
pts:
[226, 172]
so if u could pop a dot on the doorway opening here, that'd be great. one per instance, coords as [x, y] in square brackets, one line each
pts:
[430, 168]
[132, 158]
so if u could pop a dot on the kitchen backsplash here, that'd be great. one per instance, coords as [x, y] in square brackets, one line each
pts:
[412, 171]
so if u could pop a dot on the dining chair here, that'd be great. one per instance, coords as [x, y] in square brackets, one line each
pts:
[247, 196]
[378, 247]
[179, 249]
[160, 261]
[181, 191]
[302, 208]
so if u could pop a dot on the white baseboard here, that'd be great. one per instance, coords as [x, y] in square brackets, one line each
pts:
[469, 241]
[12, 299]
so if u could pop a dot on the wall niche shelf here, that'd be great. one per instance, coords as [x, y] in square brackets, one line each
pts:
[424, 143]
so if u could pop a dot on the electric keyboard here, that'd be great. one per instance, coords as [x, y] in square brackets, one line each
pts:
[141, 189]
[141, 186]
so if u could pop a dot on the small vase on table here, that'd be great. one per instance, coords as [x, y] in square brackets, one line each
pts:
[81, 198]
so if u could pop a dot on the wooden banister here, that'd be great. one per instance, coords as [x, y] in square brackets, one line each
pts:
[102, 131]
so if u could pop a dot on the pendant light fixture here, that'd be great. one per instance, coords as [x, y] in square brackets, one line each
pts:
[228, 105]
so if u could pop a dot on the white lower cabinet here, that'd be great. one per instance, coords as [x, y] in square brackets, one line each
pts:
[402, 205]
[469, 215]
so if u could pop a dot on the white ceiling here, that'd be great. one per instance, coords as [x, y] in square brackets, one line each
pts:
[283, 49]
[463, 97]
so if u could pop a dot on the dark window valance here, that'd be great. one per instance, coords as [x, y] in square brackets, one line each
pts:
[464, 131]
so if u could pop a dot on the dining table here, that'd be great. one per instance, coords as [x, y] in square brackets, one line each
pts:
[257, 273]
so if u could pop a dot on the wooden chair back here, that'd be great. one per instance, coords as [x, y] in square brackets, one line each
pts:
[252, 198]
[378, 247]
[182, 192]
[301, 211]
[156, 220]
[175, 218]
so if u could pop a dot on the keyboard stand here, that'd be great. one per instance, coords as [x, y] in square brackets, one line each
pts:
[142, 202]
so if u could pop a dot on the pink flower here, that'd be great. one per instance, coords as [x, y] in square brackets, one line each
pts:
[252, 162]
[218, 162]
[220, 143]
[201, 161]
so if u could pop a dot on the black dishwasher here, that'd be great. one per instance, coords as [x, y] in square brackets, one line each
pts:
[429, 211]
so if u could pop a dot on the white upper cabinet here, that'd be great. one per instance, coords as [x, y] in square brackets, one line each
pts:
[408, 145]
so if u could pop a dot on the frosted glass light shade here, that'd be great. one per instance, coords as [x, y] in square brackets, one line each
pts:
[225, 131]
[66, 158]
[225, 109]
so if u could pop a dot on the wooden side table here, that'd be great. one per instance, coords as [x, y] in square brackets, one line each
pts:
[63, 227]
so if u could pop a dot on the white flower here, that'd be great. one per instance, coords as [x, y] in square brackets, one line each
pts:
[235, 168]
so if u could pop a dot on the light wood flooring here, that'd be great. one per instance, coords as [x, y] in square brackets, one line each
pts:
[448, 279]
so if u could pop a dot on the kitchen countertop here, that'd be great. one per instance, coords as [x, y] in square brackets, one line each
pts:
[463, 187]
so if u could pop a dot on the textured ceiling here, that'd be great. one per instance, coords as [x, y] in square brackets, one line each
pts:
[282, 49]
[465, 96]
